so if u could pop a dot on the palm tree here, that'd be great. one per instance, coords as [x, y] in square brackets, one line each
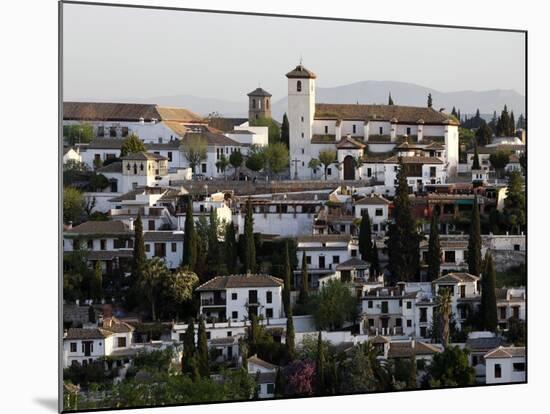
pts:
[153, 275]
[444, 302]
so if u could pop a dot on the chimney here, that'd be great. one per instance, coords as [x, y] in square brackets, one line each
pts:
[131, 224]
[141, 120]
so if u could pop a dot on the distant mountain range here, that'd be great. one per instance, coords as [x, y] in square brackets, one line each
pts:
[365, 92]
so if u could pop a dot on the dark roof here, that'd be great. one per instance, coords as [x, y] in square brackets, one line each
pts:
[323, 139]
[456, 278]
[484, 344]
[413, 160]
[324, 238]
[149, 236]
[170, 145]
[226, 124]
[212, 136]
[143, 156]
[104, 143]
[353, 263]
[372, 199]
[116, 326]
[501, 147]
[388, 293]
[224, 340]
[403, 114]
[81, 333]
[404, 349]
[114, 167]
[131, 112]
[259, 92]
[301, 72]
[100, 227]
[238, 281]
[131, 195]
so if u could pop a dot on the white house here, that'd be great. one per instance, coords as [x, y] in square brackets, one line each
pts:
[377, 208]
[265, 375]
[350, 128]
[511, 303]
[505, 365]
[167, 245]
[86, 345]
[237, 297]
[465, 293]
[71, 154]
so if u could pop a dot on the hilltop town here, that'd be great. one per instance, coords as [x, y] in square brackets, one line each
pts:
[346, 248]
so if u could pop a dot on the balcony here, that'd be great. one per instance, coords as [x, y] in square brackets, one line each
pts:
[213, 302]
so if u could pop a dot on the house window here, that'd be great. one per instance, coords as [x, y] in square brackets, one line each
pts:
[100, 131]
[229, 333]
[398, 323]
[151, 225]
[73, 346]
[409, 305]
[518, 366]
[207, 335]
[381, 130]
[449, 256]
[103, 244]
[498, 371]
[269, 297]
[112, 132]
[160, 249]
[369, 304]
[326, 129]
[408, 131]
[409, 323]
[169, 156]
[124, 131]
[269, 312]
[400, 303]
[423, 331]
[174, 247]
[502, 311]
[354, 129]
[253, 103]
[271, 388]
[235, 315]
[147, 247]
[233, 296]
[371, 323]
[384, 307]
[90, 244]
[121, 342]
[299, 86]
[308, 260]
[516, 247]
[335, 259]
[379, 212]
[302, 134]
[423, 315]
[302, 118]
[353, 253]
[329, 171]
[203, 168]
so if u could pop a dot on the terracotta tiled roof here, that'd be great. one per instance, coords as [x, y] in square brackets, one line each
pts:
[349, 143]
[401, 114]
[456, 278]
[301, 72]
[240, 281]
[413, 160]
[130, 112]
[506, 352]
[114, 325]
[81, 333]
[404, 349]
[258, 361]
[149, 236]
[372, 199]
[212, 136]
[100, 227]
[353, 263]
[379, 339]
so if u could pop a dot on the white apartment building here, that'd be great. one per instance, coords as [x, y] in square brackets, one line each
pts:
[505, 365]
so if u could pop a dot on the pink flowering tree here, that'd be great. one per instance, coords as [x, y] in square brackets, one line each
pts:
[300, 377]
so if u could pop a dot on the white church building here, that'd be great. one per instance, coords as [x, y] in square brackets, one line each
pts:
[366, 138]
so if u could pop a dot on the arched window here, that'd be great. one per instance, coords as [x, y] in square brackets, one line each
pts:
[267, 104]
[135, 168]
[128, 166]
[299, 86]
[141, 166]
[253, 103]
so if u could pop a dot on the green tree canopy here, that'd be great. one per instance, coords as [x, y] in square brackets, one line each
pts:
[515, 212]
[256, 159]
[334, 305]
[236, 160]
[327, 158]
[131, 144]
[285, 131]
[78, 133]
[73, 205]
[488, 308]
[474, 242]
[194, 148]
[274, 131]
[450, 369]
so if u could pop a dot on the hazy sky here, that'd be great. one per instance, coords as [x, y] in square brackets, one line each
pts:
[113, 52]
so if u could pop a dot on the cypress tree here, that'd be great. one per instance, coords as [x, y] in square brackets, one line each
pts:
[250, 247]
[230, 248]
[390, 100]
[138, 258]
[375, 263]
[475, 163]
[279, 383]
[412, 381]
[285, 131]
[474, 242]
[97, 283]
[512, 126]
[365, 237]
[320, 388]
[188, 361]
[403, 239]
[214, 253]
[459, 116]
[290, 346]
[434, 250]
[304, 281]
[202, 350]
[488, 307]
[190, 238]
[430, 102]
